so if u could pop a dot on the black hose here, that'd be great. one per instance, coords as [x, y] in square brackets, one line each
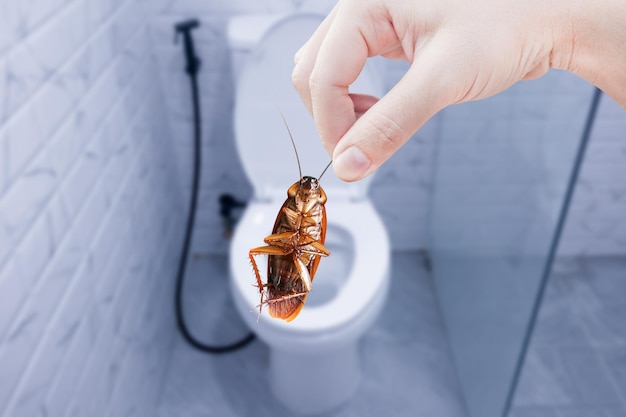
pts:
[193, 65]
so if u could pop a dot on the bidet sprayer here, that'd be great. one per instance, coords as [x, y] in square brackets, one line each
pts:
[185, 27]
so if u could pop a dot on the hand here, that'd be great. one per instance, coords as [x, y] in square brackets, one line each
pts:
[458, 51]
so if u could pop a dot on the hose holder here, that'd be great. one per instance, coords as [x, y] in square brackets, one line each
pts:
[184, 29]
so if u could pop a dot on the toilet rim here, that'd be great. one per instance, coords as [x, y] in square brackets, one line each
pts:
[370, 242]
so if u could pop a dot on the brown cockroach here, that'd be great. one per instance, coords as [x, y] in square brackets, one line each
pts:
[294, 248]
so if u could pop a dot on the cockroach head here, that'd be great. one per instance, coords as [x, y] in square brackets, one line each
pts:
[309, 183]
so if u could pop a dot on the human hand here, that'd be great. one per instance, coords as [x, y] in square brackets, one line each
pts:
[459, 51]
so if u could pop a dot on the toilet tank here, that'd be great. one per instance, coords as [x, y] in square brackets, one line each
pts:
[244, 32]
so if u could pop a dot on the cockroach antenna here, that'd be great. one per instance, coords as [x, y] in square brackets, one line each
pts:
[325, 169]
[291, 137]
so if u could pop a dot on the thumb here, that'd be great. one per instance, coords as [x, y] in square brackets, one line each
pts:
[391, 121]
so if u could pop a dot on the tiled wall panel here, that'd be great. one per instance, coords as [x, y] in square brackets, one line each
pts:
[90, 211]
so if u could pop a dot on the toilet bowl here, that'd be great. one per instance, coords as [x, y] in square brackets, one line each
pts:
[314, 360]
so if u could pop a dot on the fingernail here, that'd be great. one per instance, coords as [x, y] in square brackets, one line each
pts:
[351, 164]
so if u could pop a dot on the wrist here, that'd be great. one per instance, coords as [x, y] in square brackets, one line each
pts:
[592, 45]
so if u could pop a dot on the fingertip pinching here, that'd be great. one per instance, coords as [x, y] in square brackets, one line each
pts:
[351, 164]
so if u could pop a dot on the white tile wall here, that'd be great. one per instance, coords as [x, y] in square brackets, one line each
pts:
[90, 211]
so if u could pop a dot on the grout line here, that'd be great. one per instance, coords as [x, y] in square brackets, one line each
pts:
[54, 136]
[73, 56]
[74, 279]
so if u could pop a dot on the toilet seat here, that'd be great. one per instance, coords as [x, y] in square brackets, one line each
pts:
[365, 279]
[270, 164]
[366, 275]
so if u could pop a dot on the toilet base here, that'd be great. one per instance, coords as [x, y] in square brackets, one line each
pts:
[312, 384]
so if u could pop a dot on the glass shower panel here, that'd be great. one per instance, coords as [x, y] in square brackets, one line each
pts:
[503, 166]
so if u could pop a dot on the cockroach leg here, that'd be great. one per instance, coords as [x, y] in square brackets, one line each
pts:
[262, 250]
[286, 297]
[283, 241]
[314, 248]
[256, 271]
[304, 272]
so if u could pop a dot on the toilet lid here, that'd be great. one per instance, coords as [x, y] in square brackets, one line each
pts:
[261, 136]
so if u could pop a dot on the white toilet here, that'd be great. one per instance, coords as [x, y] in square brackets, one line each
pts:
[314, 359]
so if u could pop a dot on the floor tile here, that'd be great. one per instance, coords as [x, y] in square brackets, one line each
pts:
[408, 370]
[576, 365]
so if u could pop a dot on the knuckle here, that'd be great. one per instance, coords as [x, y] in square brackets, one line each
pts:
[299, 79]
[322, 80]
[385, 131]
[314, 81]
[296, 81]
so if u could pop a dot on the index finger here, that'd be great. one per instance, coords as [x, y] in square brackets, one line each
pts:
[340, 59]
[304, 60]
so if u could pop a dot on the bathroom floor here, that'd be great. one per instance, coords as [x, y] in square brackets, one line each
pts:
[576, 366]
[408, 369]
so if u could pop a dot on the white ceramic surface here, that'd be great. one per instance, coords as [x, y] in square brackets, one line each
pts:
[320, 345]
